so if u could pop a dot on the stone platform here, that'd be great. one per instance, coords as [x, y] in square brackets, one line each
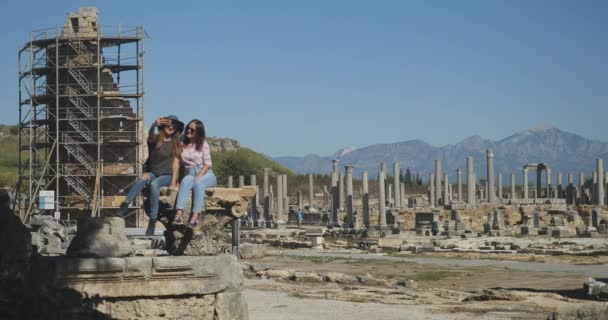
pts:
[121, 286]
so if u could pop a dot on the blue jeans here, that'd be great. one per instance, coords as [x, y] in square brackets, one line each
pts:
[155, 184]
[197, 187]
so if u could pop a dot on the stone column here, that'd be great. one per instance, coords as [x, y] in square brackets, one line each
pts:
[402, 197]
[241, 181]
[272, 197]
[581, 183]
[279, 203]
[600, 181]
[382, 202]
[525, 173]
[397, 184]
[254, 202]
[385, 173]
[326, 201]
[513, 194]
[390, 194]
[230, 185]
[349, 197]
[459, 182]
[311, 194]
[299, 199]
[594, 188]
[499, 187]
[559, 184]
[341, 191]
[470, 182]
[486, 192]
[490, 179]
[445, 189]
[266, 201]
[539, 182]
[334, 192]
[365, 195]
[437, 182]
[549, 183]
[570, 189]
[432, 191]
[475, 187]
[285, 196]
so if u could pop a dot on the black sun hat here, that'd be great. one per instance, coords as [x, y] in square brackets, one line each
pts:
[179, 126]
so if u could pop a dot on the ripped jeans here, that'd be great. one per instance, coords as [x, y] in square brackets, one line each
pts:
[197, 187]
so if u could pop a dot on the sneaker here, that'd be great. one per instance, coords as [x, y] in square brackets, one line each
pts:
[178, 221]
[122, 210]
[151, 227]
[192, 224]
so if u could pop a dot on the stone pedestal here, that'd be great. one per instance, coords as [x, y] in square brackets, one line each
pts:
[222, 205]
[193, 287]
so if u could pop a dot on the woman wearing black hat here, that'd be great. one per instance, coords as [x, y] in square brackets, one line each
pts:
[161, 167]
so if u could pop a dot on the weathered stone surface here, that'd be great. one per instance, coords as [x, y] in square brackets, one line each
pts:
[489, 294]
[576, 312]
[278, 274]
[340, 278]
[100, 238]
[144, 276]
[230, 305]
[222, 205]
[595, 288]
[181, 308]
[371, 281]
[251, 251]
[407, 283]
[300, 276]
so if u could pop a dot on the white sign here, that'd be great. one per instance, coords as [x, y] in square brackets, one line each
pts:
[46, 200]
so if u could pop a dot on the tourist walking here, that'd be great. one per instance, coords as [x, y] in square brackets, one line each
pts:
[196, 158]
[161, 169]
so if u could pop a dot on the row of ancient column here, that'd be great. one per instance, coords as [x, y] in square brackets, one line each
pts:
[439, 196]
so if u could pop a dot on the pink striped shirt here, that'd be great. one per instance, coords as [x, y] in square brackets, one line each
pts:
[192, 157]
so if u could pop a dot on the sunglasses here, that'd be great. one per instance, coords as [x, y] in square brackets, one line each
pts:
[191, 129]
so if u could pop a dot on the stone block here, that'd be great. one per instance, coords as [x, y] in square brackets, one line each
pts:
[300, 276]
[529, 230]
[231, 305]
[317, 242]
[560, 233]
[340, 278]
[251, 251]
[144, 276]
[38, 219]
[100, 238]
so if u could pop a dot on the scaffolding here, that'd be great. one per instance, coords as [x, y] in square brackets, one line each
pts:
[81, 106]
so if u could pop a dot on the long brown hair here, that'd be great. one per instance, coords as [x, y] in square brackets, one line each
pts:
[199, 135]
[176, 146]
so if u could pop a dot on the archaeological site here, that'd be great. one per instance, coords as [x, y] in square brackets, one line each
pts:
[272, 244]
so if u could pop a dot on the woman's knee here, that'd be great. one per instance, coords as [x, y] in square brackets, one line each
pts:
[187, 179]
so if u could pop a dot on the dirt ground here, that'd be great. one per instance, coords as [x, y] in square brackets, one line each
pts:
[440, 290]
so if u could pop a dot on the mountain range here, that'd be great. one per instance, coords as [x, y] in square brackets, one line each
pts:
[563, 151]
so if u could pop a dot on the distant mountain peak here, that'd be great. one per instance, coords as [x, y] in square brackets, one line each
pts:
[565, 151]
[344, 151]
[541, 127]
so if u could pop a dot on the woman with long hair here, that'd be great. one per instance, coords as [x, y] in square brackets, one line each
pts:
[196, 158]
[161, 169]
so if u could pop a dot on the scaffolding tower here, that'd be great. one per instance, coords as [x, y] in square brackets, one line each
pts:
[81, 105]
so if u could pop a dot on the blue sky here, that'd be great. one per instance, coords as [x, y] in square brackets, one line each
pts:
[299, 77]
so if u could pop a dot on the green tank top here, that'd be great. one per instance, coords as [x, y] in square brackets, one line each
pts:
[160, 161]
